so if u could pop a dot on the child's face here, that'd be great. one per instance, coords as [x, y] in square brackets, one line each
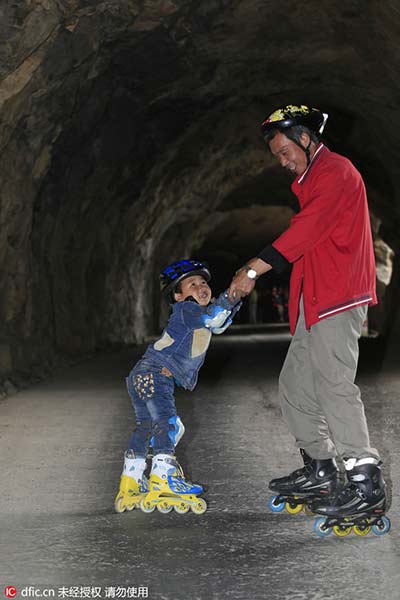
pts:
[195, 286]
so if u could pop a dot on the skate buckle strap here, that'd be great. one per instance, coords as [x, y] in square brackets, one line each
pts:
[178, 485]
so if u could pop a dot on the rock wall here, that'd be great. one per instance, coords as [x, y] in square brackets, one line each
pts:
[129, 129]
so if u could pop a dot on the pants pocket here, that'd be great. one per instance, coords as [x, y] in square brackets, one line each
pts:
[144, 385]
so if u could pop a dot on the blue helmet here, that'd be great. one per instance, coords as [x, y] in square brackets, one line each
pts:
[177, 271]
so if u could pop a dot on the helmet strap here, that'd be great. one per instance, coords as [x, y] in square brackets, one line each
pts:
[190, 299]
[306, 150]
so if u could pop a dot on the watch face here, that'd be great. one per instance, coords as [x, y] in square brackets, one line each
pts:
[252, 273]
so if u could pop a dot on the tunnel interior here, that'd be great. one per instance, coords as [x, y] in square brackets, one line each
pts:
[129, 137]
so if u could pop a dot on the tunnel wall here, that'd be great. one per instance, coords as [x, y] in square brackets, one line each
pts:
[125, 127]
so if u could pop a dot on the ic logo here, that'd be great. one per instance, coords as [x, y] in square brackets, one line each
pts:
[10, 591]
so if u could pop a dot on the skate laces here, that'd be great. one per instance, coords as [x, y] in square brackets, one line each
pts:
[179, 471]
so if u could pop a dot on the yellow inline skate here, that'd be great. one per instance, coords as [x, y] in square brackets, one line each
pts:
[133, 486]
[169, 490]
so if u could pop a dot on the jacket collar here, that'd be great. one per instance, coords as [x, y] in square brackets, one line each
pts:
[302, 177]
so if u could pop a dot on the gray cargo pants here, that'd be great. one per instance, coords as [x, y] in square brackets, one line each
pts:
[320, 402]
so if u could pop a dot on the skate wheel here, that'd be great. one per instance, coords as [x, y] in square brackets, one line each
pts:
[382, 526]
[200, 507]
[181, 508]
[293, 509]
[361, 530]
[164, 508]
[119, 505]
[341, 530]
[319, 527]
[274, 505]
[146, 507]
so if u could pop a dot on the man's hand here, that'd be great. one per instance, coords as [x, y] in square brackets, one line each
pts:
[242, 284]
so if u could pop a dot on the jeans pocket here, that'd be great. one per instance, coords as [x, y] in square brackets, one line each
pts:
[144, 385]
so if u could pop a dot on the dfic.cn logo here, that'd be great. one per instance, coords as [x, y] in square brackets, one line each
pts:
[10, 591]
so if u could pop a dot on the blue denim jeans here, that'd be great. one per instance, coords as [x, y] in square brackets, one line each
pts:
[152, 396]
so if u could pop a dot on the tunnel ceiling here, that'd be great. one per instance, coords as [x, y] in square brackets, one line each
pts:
[129, 136]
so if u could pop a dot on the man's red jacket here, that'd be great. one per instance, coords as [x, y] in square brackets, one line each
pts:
[329, 241]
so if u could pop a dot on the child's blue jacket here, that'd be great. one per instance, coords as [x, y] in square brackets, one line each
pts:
[184, 342]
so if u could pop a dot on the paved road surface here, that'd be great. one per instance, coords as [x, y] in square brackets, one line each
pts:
[61, 446]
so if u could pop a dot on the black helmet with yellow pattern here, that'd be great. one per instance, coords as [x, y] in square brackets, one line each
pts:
[292, 120]
[292, 116]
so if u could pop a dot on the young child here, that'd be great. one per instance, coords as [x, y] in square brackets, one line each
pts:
[175, 359]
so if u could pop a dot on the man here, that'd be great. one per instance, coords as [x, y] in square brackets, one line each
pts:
[332, 283]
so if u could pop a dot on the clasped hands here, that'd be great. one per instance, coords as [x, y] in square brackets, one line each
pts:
[241, 284]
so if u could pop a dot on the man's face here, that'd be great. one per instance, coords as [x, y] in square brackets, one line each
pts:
[195, 286]
[290, 156]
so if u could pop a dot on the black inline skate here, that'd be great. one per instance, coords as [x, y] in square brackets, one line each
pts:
[358, 506]
[318, 479]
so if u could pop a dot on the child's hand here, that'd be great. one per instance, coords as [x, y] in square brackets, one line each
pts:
[219, 330]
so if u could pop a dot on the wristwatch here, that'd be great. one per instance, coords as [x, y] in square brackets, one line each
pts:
[251, 273]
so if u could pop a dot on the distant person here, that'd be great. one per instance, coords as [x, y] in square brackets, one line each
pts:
[266, 305]
[332, 283]
[174, 359]
[278, 303]
[285, 296]
[253, 306]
